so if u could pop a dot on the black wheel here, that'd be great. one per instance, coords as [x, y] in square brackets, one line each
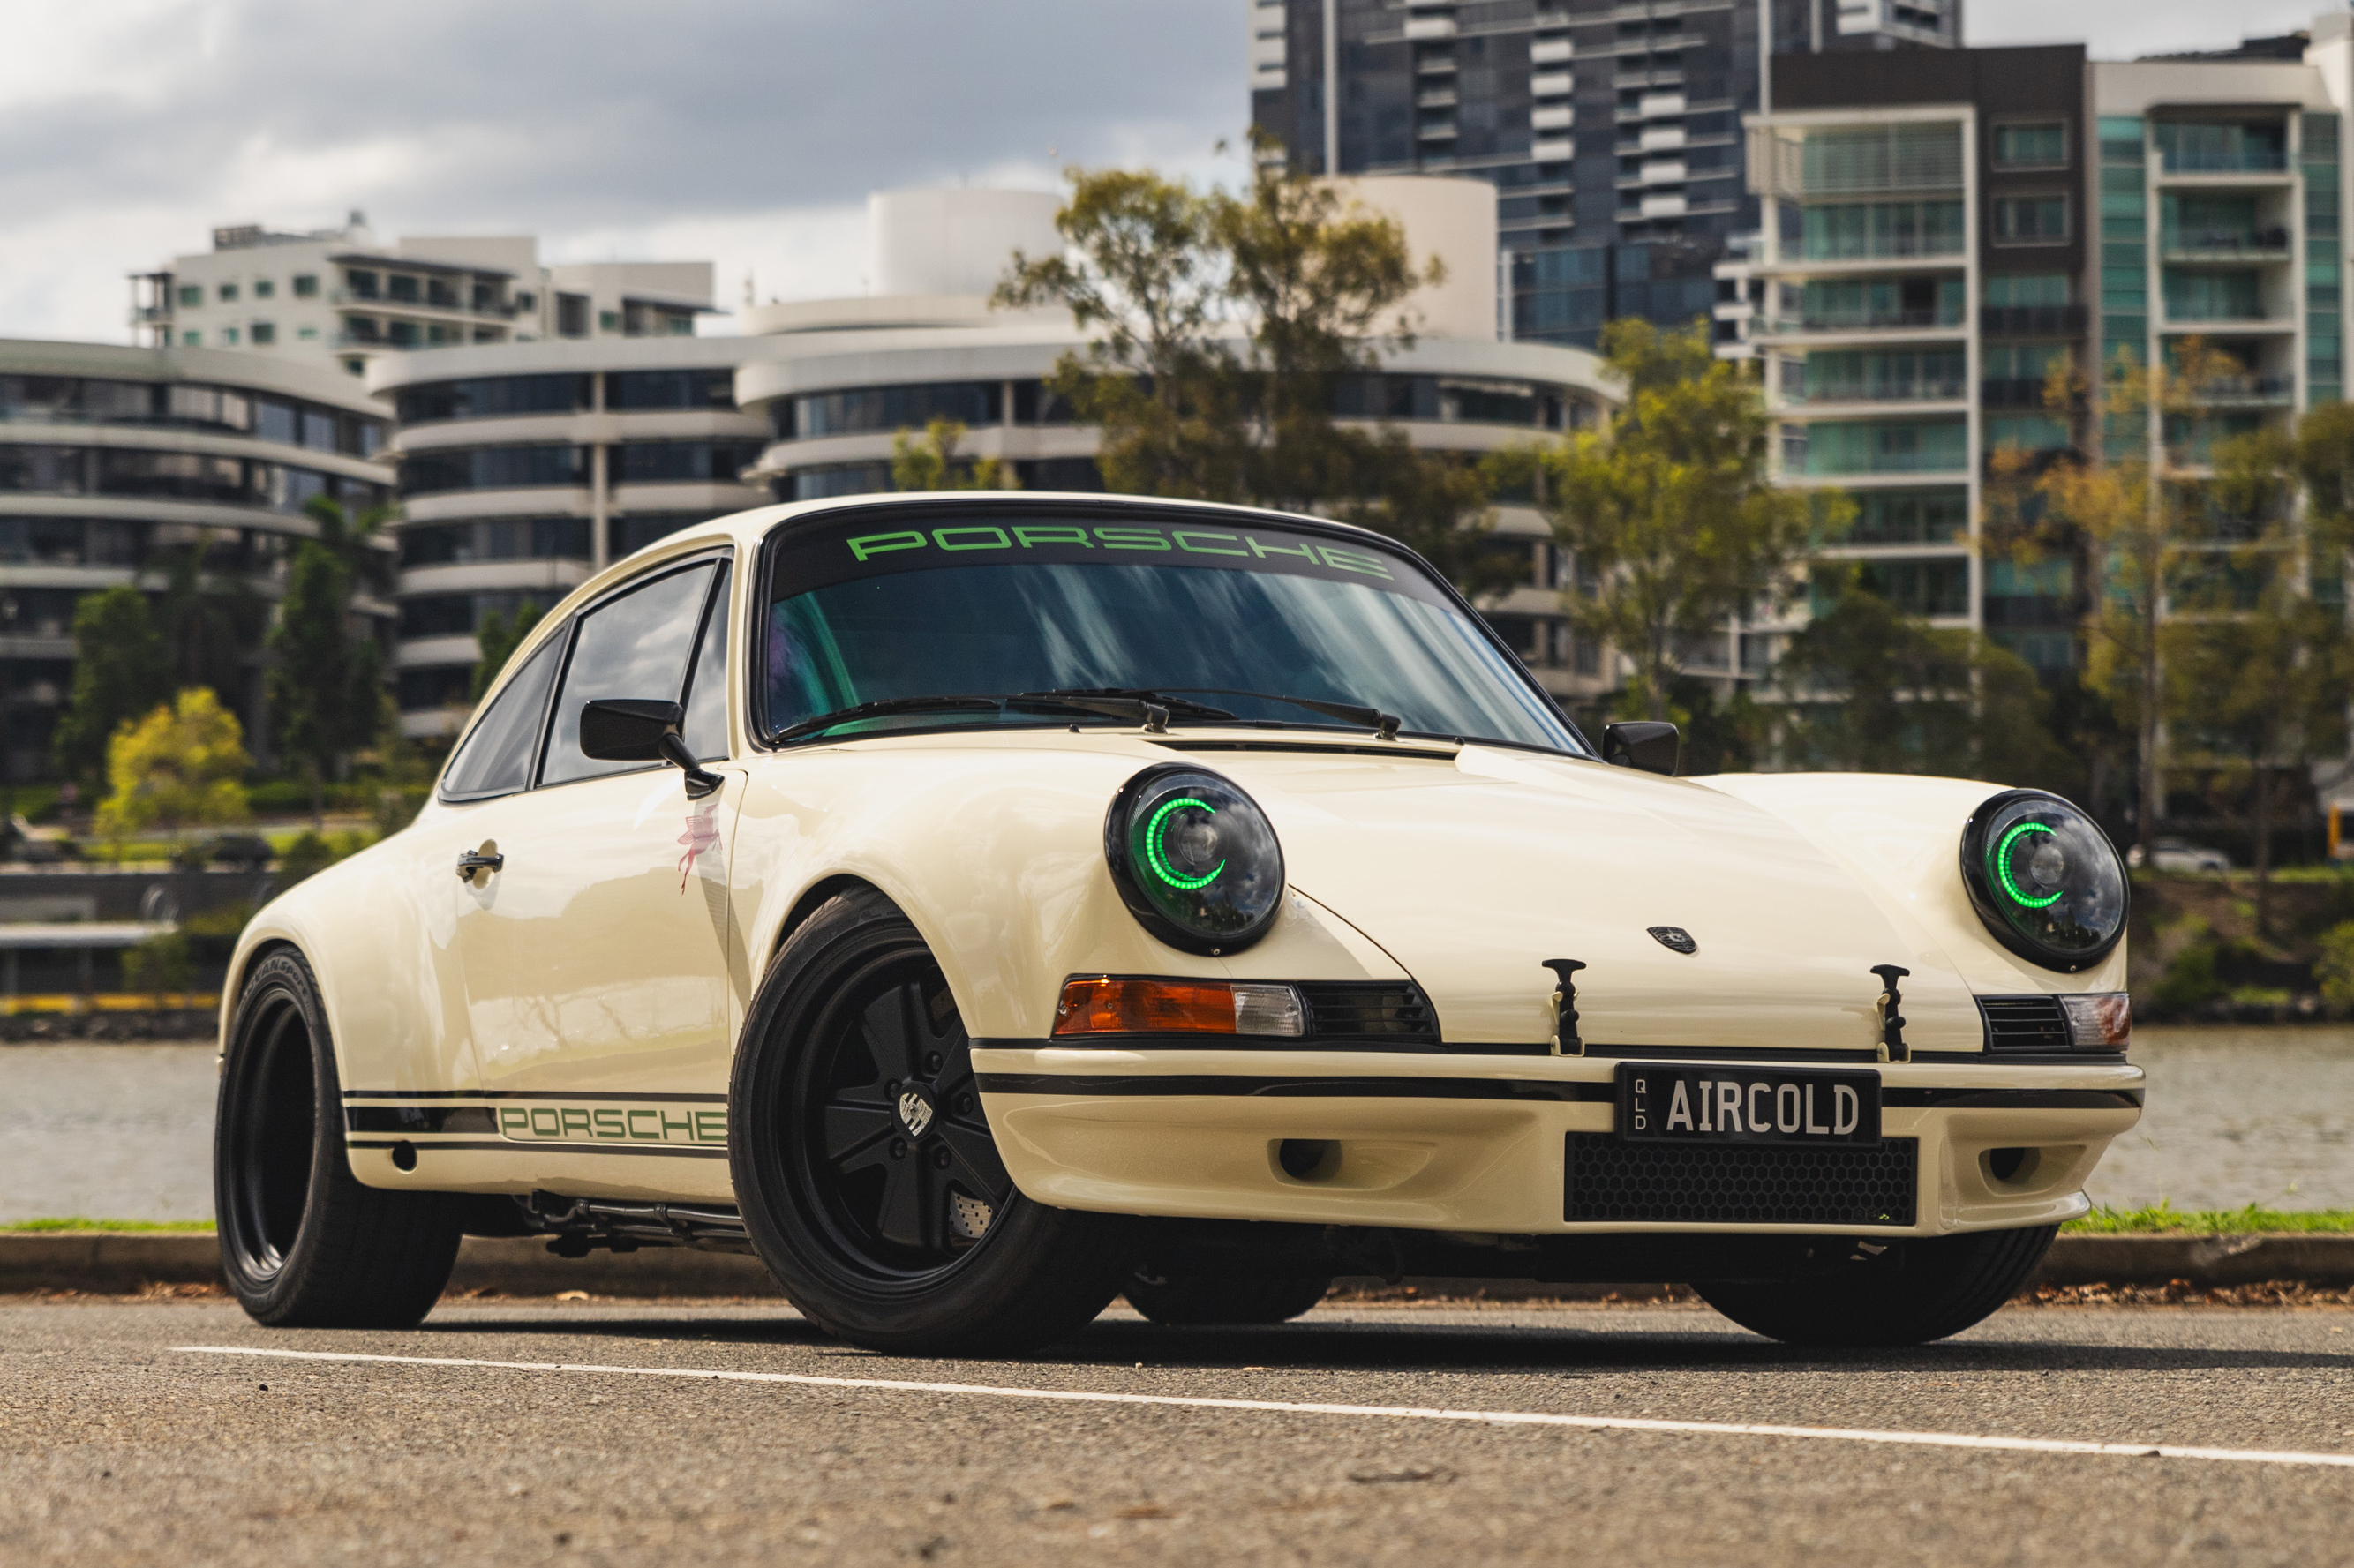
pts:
[865, 1166]
[302, 1243]
[1224, 1298]
[1916, 1291]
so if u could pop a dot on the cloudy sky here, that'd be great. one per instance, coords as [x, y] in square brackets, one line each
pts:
[746, 131]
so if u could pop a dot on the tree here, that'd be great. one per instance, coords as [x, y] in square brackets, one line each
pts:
[2131, 522]
[327, 685]
[931, 461]
[119, 675]
[183, 765]
[1676, 525]
[498, 638]
[1873, 690]
[1223, 330]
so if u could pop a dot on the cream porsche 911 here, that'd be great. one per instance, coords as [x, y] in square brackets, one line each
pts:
[982, 907]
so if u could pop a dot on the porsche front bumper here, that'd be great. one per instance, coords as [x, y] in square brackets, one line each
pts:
[1483, 1144]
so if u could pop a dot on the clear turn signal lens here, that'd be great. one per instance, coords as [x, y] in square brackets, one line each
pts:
[1113, 1006]
[1269, 1009]
[2100, 1021]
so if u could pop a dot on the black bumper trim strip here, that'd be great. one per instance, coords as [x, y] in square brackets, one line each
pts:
[533, 1095]
[1607, 1093]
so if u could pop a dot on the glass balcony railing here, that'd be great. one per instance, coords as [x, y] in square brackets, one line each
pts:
[1868, 320]
[1918, 390]
[2231, 242]
[2246, 389]
[1876, 247]
[2225, 160]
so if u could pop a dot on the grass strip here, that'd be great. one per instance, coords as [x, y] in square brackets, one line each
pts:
[2164, 1218]
[76, 1222]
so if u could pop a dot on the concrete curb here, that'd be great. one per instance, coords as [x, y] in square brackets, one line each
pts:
[123, 1262]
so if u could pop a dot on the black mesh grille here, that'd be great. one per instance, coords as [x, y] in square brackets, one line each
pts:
[1753, 1185]
[2024, 1024]
[1392, 1015]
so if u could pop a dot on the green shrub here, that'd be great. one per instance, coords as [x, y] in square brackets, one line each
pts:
[2335, 967]
[158, 965]
[2189, 983]
[307, 856]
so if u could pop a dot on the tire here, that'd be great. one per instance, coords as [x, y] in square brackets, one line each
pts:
[1197, 1299]
[303, 1244]
[1917, 1291]
[897, 1230]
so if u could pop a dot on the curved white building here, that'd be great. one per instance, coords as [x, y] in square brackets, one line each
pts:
[116, 462]
[525, 467]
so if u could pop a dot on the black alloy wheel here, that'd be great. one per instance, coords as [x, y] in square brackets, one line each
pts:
[895, 1146]
[863, 1163]
[304, 1242]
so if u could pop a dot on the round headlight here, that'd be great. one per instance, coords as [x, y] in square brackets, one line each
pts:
[2046, 879]
[1194, 858]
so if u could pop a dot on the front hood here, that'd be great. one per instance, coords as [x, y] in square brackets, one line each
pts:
[1471, 873]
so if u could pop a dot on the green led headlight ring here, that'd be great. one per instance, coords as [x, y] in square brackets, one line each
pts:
[1158, 862]
[2000, 860]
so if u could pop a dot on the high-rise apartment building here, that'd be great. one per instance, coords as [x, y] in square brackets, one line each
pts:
[1611, 131]
[339, 297]
[1940, 229]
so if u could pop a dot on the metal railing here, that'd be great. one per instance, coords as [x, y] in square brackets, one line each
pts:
[2225, 160]
[2225, 241]
[1919, 389]
[1864, 321]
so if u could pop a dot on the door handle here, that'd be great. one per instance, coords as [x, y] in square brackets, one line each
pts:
[483, 859]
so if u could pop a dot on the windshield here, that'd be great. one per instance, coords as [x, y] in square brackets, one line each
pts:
[994, 603]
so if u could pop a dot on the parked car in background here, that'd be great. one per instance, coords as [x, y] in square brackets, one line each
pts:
[2174, 854]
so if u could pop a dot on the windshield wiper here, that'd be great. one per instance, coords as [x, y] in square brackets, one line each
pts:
[1385, 725]
[1146, 708]
[1150, 708]
[883, 705]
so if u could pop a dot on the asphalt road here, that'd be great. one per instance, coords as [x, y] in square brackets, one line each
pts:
[118, 1446]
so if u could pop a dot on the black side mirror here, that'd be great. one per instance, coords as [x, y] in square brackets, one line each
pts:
[638, 729]
[1646, 743]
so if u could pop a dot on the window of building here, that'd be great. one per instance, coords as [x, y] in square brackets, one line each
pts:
[658, 462]
[572, 315]
[493, 396]
[192, 294]
[525, 300]
[2030, 220]
[306, 286]
[227, 293]
[362, 283]
[264, 289]
[2039, 144]
[264, 333]
[306, 333]
[401, 286]
[228, 336]
[671, 389]
[2027, 288]
[609, 321]
[192, 340]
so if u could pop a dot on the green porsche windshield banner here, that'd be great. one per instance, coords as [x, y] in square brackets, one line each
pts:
[875, 543]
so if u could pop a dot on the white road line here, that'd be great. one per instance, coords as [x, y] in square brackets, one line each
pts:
[1385, 1411]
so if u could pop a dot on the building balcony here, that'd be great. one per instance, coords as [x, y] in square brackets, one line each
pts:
[491, 310]
[2225, 245]
[2217, 323]
[2031, 321]
[1925, 319]
[2246, 391]
[2223, 161]
[1926, 389]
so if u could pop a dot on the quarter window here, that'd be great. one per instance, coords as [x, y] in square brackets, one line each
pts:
[497, 757]
[636, 645]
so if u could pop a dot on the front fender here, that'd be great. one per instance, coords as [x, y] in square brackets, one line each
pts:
[1901, 837]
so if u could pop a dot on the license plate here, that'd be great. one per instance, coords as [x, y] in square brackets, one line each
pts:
[1747, 1105]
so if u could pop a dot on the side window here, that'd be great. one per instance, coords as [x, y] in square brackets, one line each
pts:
[497, 757]
[706, 693]
[633, 646]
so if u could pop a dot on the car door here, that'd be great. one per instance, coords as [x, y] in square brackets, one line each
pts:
[487, 783]
[616, 881]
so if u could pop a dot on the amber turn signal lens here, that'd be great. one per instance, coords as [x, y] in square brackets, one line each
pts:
[2101, 1021]
[1109, 1006]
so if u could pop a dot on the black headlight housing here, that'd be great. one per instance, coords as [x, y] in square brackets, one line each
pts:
[2046, 879]
[1195, 860]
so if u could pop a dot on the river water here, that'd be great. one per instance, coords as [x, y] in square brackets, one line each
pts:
[2236, 1117]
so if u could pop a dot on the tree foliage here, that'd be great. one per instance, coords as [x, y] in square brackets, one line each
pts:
[184, 765]
[1872, 690]
[327, 680]
[120, 674]
[1222, 331]
[496, 639]
[933, 461]
[1676, 525]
